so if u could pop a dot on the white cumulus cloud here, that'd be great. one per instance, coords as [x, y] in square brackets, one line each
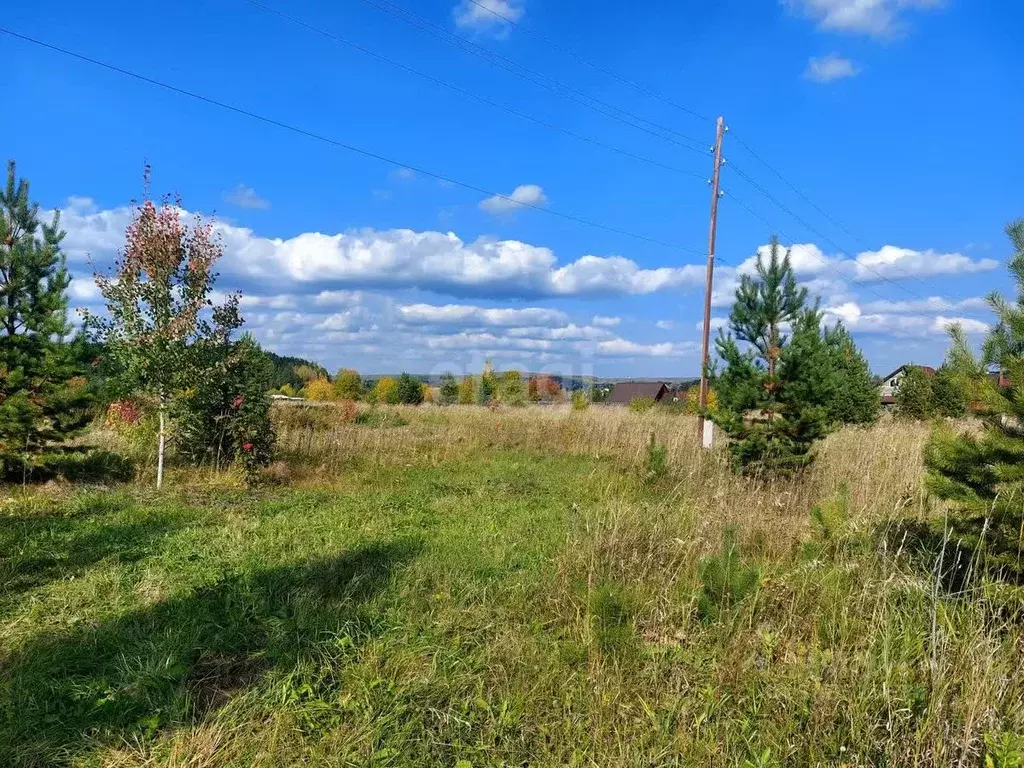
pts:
[524, 194]
[626, 348]
[892, 262]
[245, 196]
[605, 322]
[467, 315]
[889, 262]
[878, 18]
[825, 69]
[491, 16]
[899, 325]
[398, 258]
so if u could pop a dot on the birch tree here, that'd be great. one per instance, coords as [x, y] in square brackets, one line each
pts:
[160, 316]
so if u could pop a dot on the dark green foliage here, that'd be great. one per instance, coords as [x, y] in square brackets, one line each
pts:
[914, 398]
[448, 394]
[284, 370]
[725, 580]
[410, 391]
[948, 395]
[853, 394]
[485, 389]
[226, 416]
[773, 393]
[44, 400]
[510, 389]
[612, 616]
[376, 418]
[983, 475]
[656, 466]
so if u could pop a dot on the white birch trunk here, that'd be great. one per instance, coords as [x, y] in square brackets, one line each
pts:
[160, 450]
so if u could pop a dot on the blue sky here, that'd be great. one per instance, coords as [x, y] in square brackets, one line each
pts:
[900, 119]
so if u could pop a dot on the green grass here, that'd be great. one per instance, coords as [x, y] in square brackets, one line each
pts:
[507, 609]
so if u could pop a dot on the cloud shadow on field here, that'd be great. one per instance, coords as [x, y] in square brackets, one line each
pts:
[169, 665]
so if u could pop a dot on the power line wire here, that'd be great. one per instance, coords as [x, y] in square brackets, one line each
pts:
[509, 65]
[824, 237]
[472, 95]
[794, 245]
[832, 220]
[340, 144]
[688, 111]
[583, 60]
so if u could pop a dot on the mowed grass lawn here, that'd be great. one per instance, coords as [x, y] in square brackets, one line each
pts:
[506, 589]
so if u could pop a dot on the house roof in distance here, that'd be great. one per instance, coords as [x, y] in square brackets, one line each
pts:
[928, 370]
[625, 391]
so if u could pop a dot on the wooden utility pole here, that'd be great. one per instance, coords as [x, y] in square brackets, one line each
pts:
[704, 426]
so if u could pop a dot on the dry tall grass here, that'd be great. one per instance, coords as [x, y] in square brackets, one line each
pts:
[880, 467]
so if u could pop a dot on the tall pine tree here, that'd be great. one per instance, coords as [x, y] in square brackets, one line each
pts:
[983, 474]
[43, 397]
[771, 388]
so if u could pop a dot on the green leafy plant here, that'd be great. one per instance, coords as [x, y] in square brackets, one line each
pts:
[348, 385]
[611, 614]
[725, 580]
[1005, 750]
[579, 400]
[656, 464]
[641, 404]
[467, 390]
[511, 390]
[853, 394]
[225, 416]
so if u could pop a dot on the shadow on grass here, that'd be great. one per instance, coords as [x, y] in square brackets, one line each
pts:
[82, 465]
[168, 665]
[960, 549]
[39, 550]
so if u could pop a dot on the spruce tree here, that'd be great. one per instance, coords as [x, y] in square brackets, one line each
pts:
[43, 397]
[771, 388]
[854, 394]
[982, 475]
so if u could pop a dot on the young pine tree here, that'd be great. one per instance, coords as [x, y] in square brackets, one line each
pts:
[409, 390]
[948, 395]
[448, 393]
[854, 394]
[983, 474]
[914, 399]
[43, 398]
[771, 389]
